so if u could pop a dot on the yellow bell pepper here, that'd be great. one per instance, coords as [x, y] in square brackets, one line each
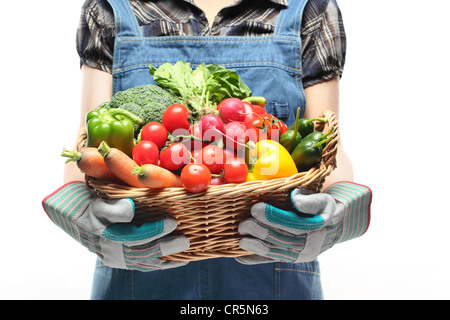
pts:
[273, 161]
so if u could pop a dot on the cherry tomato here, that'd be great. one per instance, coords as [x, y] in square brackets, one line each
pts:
[235, 171]
[174, 156]
[145, 152]
[176, 117]
[253, 112]
[195, 177]
[259, 110]
[257, 129]
[212, 156]
[277, 128]
[283, 127]
[155, 132]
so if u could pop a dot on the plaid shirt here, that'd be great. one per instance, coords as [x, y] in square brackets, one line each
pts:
[322, 35]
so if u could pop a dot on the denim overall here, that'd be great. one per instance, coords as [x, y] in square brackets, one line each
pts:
[271, 67]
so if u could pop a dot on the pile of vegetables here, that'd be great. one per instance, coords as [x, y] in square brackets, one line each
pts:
[193, 129]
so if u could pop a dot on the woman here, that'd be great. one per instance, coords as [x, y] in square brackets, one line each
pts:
[291, 52]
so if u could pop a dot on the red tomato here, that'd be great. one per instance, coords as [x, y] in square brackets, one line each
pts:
[212, 157]
[235, 171]
[257, 129]
[145, 152]
[176, 117]
[174, 156]
[276, 129]
[195, 177]
[253, 112]
[155, 132]
[259, 110]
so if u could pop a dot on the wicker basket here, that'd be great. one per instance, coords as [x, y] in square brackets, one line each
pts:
[210, 219]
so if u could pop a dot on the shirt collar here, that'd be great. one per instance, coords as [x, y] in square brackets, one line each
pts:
[282, 2]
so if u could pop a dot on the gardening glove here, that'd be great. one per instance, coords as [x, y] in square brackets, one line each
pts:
[339, 214]
[103, 227]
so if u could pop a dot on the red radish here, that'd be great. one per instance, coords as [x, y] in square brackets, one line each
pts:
[229, 154]
[240, 153]
[192, 139]
[217, 181]
[211, 127]
[232, 109]
[249, 114]
[235, 135]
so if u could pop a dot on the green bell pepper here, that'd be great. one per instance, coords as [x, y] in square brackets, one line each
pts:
[114, 126]
[308, 153]
[318, 135]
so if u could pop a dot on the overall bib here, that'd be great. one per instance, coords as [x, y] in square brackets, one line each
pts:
[271, 67]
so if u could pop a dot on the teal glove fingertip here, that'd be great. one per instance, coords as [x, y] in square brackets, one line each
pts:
[147, 231]
[292, 220]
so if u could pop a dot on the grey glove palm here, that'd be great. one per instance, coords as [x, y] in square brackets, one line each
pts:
[321, 220]
[103, 226]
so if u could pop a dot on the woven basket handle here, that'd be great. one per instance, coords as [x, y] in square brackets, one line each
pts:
[81, 138]
[330, 150]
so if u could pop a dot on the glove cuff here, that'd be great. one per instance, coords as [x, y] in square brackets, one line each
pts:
[66, 204]
[357, 200]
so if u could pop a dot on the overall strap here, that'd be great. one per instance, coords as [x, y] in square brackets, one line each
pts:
[289, 21]
[125, 19]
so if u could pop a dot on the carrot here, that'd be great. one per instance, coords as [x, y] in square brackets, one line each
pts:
[120, 164]
[90, 162]
[153, 176]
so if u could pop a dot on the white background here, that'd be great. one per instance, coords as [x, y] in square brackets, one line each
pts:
[394, 117]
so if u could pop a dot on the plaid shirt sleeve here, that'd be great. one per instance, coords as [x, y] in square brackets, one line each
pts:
[95, 35]
[324, 42]
[323, 34]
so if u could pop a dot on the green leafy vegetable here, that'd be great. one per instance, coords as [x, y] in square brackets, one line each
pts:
[205, 86]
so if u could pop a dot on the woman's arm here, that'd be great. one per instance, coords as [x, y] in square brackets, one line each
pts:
[325, 95]
[96, 88]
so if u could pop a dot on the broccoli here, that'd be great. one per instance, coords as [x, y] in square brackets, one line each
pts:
[135, 109]
[151, 99]
[106, 104]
